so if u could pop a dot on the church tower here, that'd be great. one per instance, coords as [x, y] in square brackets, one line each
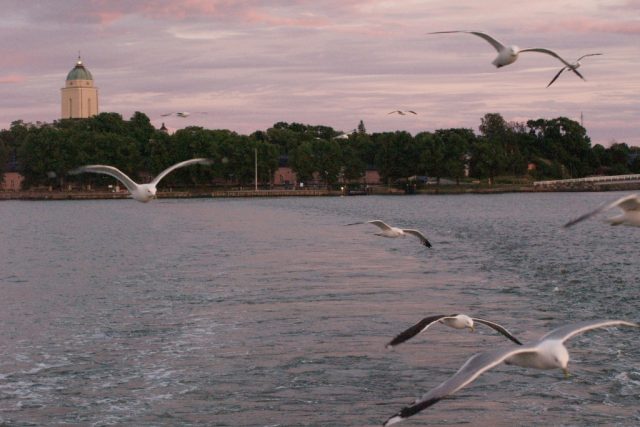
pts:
[79, 96]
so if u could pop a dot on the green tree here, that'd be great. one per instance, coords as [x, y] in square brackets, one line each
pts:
[394, 155]
[488, 159]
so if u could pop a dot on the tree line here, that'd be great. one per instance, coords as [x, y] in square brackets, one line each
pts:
[558, 148]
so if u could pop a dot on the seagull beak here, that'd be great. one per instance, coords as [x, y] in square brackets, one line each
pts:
[472, 328]
[566, 373]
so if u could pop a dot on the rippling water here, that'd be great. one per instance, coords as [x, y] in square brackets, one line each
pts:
[267, 312]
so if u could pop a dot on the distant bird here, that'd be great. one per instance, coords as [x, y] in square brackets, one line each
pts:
[547, 353]
[456, 321]
[630, 206]
[140, 192]
[182, 114]
[506, 54]
[341, 136]
[402, 113]
[573, 67]
[388, 231]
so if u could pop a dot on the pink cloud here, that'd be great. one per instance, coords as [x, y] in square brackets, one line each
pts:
[257, 16]
[12, 78]
[590, 25]
[288, 13]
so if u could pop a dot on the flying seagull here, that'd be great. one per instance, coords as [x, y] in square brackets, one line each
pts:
[630, 206]
[456, 321]
[182, 114]
[573, 67]
[388, 231]
[402, 113]
[140, 192]
[507, 54]
[547, 353]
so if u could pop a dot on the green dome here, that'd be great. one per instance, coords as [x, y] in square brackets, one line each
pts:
[79, 72]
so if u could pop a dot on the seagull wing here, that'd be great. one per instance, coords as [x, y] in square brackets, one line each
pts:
[493, 42]
[472, 369]
[354, 223]
[167, 171]
[380, 224]
[588, 54]
[412, 112]
[587, 215]
[548, 52]
[108, 170]
[419, 235]
[557, 75]
[414, 330]
[498, 328]
[563, 333]
[627, 203]
[396, 111]
[577, 73]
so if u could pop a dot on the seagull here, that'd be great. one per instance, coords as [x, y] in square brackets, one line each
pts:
[388, 231]
[630, 206]
[547, 353]
[402, 113]
[456, 321]
[140, 192]
[182, 114]
[507, 54]
[573, 67]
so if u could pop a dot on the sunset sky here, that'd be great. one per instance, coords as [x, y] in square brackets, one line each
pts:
[249, 64]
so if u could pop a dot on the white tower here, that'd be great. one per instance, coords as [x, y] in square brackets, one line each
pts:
[79, 96]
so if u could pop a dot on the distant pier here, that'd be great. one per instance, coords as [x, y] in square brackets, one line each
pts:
[592, 183]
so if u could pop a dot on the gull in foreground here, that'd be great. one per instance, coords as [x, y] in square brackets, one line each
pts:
[456, 321]
[573, 67]
[388, 231]
[507, 54]
[140, 192]
[547, 353]
[402, 113]
[630, 206]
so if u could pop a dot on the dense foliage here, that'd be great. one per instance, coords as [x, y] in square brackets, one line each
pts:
[556, 148]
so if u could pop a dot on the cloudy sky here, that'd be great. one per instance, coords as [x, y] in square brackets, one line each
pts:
[251, 63]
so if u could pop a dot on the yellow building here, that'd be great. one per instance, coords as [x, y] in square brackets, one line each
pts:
[79, 96]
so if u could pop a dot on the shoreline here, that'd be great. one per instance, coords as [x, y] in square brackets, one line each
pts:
[192, 194]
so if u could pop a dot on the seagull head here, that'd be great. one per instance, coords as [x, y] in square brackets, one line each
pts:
[557, 355]
[467, 322]
[145, 193]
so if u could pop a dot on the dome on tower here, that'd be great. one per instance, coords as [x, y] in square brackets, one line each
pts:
[79, 72]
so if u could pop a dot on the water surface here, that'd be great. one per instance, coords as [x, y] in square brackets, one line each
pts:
[268, 312]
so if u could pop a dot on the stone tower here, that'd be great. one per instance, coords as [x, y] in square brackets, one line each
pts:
[79, 96]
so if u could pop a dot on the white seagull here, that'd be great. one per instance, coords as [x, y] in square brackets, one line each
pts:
[140, 192]
[630, 206]
[547, 353]
[506, 54]
[573, 67]
[388, 231]
[456, 321]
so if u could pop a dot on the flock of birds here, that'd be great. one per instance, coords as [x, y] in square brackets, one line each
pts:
[509, 54]
[549, 352]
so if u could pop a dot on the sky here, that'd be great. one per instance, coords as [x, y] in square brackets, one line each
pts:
[247, 64]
